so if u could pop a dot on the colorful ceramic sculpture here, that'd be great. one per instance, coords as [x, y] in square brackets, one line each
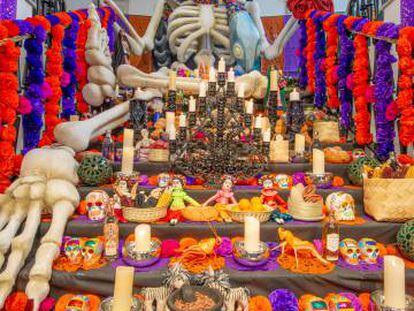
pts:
[342, 204]
[349, 251]
[96, 202]
[180, 198]
[95, 170]
[73, 251]
[269, 194]
[405, 239]
[224, 196]
[92, 249]
[355, 169]
[369, 250]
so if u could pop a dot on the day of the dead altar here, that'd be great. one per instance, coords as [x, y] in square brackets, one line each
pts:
[212, 182]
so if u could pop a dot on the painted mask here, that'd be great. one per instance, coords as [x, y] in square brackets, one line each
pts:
[78, 303]
[369, 250]
[282, 181]
[73, 250]
[92, 251]
[96, 202]
[342, 205]
[349, 251]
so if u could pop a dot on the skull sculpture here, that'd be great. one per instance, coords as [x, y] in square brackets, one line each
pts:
[73, 250]
[342, 205]
[349, 251]
[369, 250]
[92, 251]
[96, 202]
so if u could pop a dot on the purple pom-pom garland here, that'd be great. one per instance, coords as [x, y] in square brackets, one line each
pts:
[319, 57]
[303, 73]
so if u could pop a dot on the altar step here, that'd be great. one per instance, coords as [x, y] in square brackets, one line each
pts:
[101, 281]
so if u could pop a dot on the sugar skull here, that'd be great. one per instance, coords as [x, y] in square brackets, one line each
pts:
[342, 205]
[369, 250]
[313, 303]
[96, 202]
[92, 249]
[349, 251]
[73, 250]
[282, 181]
[164, 180]
[78, 303]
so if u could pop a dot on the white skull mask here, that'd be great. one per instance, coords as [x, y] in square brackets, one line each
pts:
[369, 250]
[349, 251]
[96, 202]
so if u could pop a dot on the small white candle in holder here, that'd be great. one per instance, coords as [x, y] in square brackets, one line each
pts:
[169, 120]
[249, 106]
[294, 96]
[299, 143]
[273, 80]
[230, 75]
[142, 238]
[222, 65]
[124, 282]
[172, 134]
[267, 136]
[203, 89]
[192, 104]
[394, 282]
[212, 75]
[258, 122]
[251, 234]
[240, 91]
[318, 161]
[128, 151]
[183, 120]
[172, 85]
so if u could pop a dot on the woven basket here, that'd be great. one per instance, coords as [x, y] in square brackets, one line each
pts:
[159, 155]
[239, 216]
[151, 214]
[389, 199]
[306, 211]
[328, 131]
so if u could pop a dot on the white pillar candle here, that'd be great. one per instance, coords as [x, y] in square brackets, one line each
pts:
[230, 75]
[172, 134]
[203, 89]
[266, 136]
[212, 75]
[299, 144]
[249, 106]
[294, 96]
[222, 65]
[258, 122]
[124, 282]
[172, 80]
[318, 161]
[251, 234]
[169, 120]
[192, 104]
[128, 151]
[394, 282]
[273, 80]
[183, 120]
[240, 91]
[142, 238]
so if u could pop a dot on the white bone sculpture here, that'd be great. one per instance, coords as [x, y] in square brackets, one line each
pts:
[47, 183]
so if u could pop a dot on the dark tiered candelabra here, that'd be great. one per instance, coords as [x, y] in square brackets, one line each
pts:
[219, 139]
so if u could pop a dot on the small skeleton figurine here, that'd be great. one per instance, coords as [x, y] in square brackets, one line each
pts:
[269, 195]
[142, 147]
[179, 196]
[224, 196]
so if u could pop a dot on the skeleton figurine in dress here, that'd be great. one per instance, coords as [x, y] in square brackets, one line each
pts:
[47, 183]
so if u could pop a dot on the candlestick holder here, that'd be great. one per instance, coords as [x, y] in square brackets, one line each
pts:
[221, 78]
[192, 119]
[240, 105]
[251, 259]
[142, 259]
[248, 119]
[257, 135]
[182, 134]
[124, 182]
[320, 180]
[172, 146]
[202, 101]
[107, 304]
[172, 94]
[378, 298]
[266, 148]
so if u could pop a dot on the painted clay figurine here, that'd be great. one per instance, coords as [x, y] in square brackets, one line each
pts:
[269, 195]
[224, 196]
[179, 197]
[143, 146]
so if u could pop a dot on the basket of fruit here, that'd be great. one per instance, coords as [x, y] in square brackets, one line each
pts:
[250, 208]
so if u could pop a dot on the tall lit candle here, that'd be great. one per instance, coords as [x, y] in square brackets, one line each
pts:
[230, 75]
[394, 282]
[222, 65]
[169, 120]
[203, 89]
[172, 134]
[240, 91]
[318, 161]
[172, 80]
[128, 151]
[124, 282]
[299, 143]
[192, 104]
[294, 96]
[266, 136]
[249, 106]
[251, 234]
[142, 238]
[183, 120]
[273, 80]
[258, 122]
[212, 75]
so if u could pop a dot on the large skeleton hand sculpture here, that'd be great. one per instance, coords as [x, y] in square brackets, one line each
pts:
[47, 183]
